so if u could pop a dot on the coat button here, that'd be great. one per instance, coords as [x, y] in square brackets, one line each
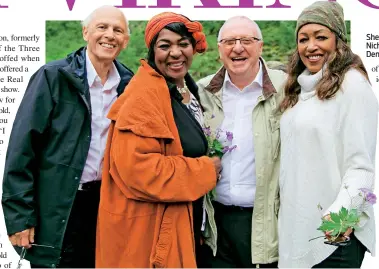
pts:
[76, 178]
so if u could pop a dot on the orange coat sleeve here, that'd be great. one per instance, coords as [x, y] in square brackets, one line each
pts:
[143, 172]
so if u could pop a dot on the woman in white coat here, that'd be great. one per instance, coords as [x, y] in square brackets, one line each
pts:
[328, 136]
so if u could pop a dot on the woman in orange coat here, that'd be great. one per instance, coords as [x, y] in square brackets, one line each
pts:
[154, 166]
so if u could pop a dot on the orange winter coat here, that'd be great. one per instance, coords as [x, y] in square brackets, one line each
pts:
[145, 212]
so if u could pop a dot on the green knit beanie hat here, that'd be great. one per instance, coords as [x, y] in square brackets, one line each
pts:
[328, 14]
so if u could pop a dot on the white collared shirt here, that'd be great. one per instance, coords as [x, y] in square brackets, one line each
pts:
[102, 98]
[237, 185]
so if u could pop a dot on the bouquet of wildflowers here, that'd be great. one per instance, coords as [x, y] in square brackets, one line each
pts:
[216, 146]
[337, 224]
[219, 143]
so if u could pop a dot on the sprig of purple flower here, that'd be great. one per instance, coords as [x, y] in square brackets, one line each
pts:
[219, 143]
[207, 131]
[216, 145]
[227, 149]
[369, 197]
[229, 136]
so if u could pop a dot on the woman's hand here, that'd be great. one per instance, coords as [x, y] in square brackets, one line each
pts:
[217, 163]
[348, 232]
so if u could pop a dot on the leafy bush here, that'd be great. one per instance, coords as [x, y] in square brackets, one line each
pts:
[62, 37]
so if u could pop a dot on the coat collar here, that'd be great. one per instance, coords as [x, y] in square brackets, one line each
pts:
[217, 81]
[145, 107]
[76, 73]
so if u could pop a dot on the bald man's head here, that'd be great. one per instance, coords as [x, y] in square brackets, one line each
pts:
[106, 32]
[238, 21]
[107, 10]
[240, 46]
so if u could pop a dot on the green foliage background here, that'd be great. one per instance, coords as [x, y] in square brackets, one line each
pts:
[62, 37]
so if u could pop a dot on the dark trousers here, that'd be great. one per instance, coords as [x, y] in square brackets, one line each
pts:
[78, 250]
[233, 242]
[345, 257]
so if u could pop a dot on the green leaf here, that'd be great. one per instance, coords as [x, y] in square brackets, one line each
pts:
[335, 217]
[328, 225]
[214, 153]
[343, 213]
[352, 219]
[215, 148]
[217, 145]
[344, 227]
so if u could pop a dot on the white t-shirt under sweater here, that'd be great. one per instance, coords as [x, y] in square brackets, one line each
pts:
[327, 154]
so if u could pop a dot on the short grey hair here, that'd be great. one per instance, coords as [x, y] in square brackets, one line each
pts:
[89, 18]
[240, 18]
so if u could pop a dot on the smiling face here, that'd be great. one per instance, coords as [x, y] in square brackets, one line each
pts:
[106, 35]
[173, 55]
[315, 43]
[240, 60]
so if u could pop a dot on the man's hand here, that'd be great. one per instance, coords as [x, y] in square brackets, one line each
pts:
[23, 239]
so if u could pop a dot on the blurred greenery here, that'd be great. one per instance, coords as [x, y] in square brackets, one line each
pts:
[63, 37]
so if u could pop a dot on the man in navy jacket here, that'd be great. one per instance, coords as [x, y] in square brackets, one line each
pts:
[53, 166]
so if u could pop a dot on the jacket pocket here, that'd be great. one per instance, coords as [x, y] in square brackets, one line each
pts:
[164, 243]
